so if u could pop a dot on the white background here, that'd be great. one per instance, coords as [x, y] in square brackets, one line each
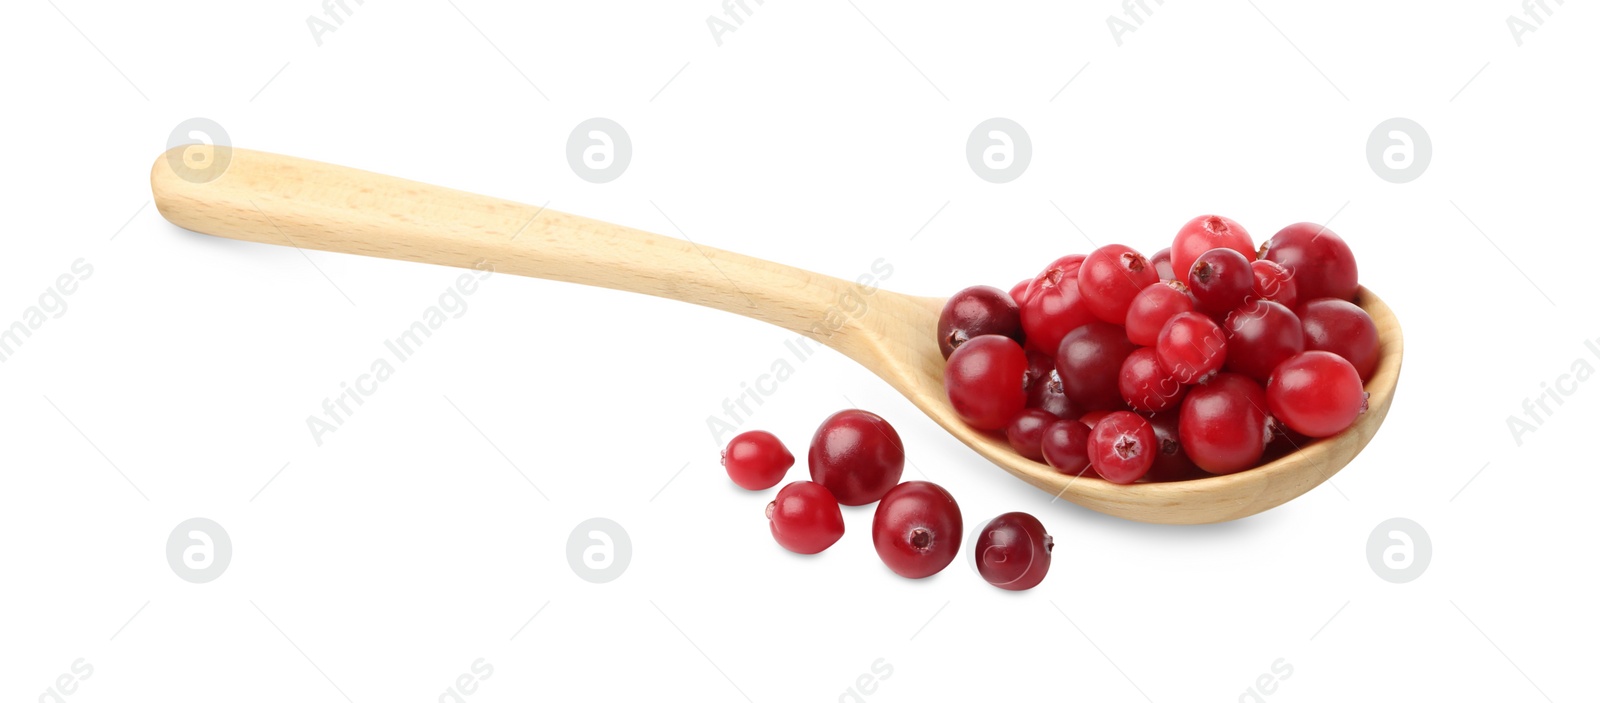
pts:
[380, 565]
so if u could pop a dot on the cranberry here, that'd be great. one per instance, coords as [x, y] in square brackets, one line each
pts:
[1162, 263]
[1110, 277]
[1122, 447]
[1051, 312]
[1204, 233]
[1171, 463]
[1014, 552]
[917, 529]
[1151, 309]
[1192, 347]
[1056, 274]
[1045, 391]
[756, 460]
[985, 381]
[1318, 260]
[1340, 327]
[805, 518]
[1090, 360]
[1091, 419]
[976, 311]
[1146, 385]
[1026, 432]
[1273, 282]
[857, 456]
[1316, 393]
[1223, 424]
[1261, 334]
[1220, 280]
[1066, 446]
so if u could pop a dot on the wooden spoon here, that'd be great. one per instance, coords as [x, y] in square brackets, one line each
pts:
[275, 199]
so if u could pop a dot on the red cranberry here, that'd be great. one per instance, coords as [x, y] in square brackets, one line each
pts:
[1261, 334]
[1318, 260]
[1342, 328]
[1122, 447]
[1051, 312]
[805, 518]
[977, 311]
[1089, 362]
[1204, 233]
[1026, 432]
[985, 381]
[1014, 552]
[1093, 418]
[1110, 277]
[1162, 263]
[1057, 273]
[756, 460]
[1045, 391]
[1147, 386]
[1151, 309]
[1171, 463]
[1223, 424]
[1273, 282]
[1192, 347]
[917, 529]
[1316, 393]
[1220, 280]
[1066, 446]
[857, 456]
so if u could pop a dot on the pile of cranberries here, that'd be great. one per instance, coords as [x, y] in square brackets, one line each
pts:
[856, 458]
[1200, 360]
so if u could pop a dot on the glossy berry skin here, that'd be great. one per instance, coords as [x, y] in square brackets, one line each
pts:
[1204, 233]
[756, 460]
[977, 311]
[1089, 361]
[1273, 282]
[1026, 432]
[1342, 328]
[1122, 447]
[985, 380]
[1151, 309]
[1161, 261]
[805, 518]
[1192, 347]
[1146, 385]
[1171, 462]
[1065, 446]
[1058, 272]
[1109, 279]
[1220, 280]
[1045, 391]
[857, 456]
[1223, 424]
[1013, 552]
[1319, 261]
[1093, 418]
[1019, 292]
[1316, 393]
[917, 529]
[1051, 312]
[1261, 334]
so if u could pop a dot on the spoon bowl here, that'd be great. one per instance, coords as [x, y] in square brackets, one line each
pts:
[274, 199]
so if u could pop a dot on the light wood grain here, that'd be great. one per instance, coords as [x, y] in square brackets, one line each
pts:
[288, 201]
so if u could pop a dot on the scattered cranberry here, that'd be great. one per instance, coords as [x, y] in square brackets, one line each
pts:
[977, 311]
[1318, 260]
[1151, 309]
[805, 518]
[1192, 347]
[1089, 362]
[1162, 263]
[1220, 280]
[1110, 277]
[1261, 334]
[1026, 432]
[1065, 446]
[857, 456]
[1223, 424]
[1340, 327]
[1171, 462]
[985, 381]
[1051, 312]
[1146, 385]
[1014, 552]
[1273, 282]
[1122, 447]
[1204, 233]
[756, 460]
[917, 529]
[1316, 393]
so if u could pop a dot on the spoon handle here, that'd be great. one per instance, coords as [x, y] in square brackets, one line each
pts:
[275, 199]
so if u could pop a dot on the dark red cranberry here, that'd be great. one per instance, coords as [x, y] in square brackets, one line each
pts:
[1273, 282]
[1171, 463]
[1110, 277]
[1122, 447]
[985, 379]
[857, 456]
[1223, 424]
[1045, 391]
[1151, 309]
[977, 311]
[1026, 433]
[1204, 233]
[1220, 280]
[805, 518]
[1261, 334]
[1089, 361]
[1320, 263]
[1342, 328]
[1066, 446]
[1014, 552]
[917, 529]
[1316, 393]
[756, 460]
[1146, 385]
